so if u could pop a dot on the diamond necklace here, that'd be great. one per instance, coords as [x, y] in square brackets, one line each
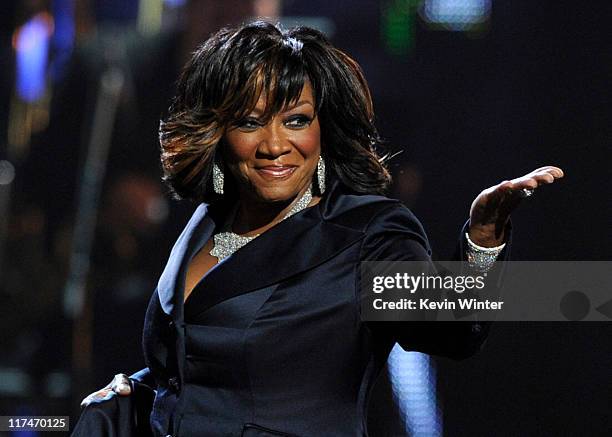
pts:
[227, 242]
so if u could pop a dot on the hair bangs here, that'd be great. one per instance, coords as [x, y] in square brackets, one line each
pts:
[278, 78]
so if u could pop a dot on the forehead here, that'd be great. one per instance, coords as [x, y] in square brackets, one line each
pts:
[306, 95]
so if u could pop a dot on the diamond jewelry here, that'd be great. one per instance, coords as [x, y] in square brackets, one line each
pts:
[227, 242]
[481, 258]
[526, 192]
[218, 177]
[321, 175]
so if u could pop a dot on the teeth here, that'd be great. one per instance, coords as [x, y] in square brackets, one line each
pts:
[277, 172]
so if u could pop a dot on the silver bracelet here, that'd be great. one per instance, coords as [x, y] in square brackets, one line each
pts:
[481, 258]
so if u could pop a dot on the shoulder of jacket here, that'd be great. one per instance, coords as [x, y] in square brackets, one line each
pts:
[362, 212]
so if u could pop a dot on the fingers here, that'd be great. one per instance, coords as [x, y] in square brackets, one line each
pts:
[555, 171]
[541, 176]
[98, 396]
[121, 384]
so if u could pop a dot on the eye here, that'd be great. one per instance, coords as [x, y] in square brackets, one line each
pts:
[298, 121]
[248, 124]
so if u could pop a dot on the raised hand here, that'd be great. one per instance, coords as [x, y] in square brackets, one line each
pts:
[491, 209]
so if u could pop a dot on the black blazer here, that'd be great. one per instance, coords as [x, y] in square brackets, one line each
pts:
[270, 342]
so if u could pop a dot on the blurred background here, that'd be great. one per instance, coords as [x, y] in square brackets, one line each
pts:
[471, 91]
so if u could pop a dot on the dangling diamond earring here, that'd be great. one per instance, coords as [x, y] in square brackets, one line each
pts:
[218, 176]
[321, 175]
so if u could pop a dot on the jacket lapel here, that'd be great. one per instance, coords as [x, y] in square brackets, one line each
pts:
[295, 245]
[171, 282]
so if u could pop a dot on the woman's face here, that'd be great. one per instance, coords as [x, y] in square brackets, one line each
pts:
[275, 161]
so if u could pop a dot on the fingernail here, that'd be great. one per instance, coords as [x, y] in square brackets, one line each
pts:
[122, 387]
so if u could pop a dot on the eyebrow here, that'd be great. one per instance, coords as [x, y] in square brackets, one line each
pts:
[259, 111]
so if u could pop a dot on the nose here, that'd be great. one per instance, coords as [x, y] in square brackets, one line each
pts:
[273, 142]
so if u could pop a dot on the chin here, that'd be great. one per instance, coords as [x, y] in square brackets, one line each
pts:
[277, 194]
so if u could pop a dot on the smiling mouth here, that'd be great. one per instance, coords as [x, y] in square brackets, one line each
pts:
[276, 172]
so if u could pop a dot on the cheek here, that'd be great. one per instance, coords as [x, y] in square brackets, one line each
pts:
[308, 142]
[239, 147]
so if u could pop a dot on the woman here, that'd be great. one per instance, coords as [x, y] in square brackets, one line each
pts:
[254, 328]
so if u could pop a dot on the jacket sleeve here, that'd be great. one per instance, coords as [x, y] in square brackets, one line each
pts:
[395, 234]
[143, 377]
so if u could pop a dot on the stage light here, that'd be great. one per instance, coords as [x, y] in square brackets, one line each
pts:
[63, 37]
[413, 379]
[397, 27]
[31, 44]
[150, 16]
[7, 172]
[455, 15]
[175, 3]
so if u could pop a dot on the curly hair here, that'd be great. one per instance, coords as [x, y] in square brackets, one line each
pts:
[223, 81]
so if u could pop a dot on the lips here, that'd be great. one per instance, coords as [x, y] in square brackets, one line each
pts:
[276, 171]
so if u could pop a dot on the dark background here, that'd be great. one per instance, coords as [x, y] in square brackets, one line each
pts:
[468, 109]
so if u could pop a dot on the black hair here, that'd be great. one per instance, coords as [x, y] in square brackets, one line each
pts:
[223, 81]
